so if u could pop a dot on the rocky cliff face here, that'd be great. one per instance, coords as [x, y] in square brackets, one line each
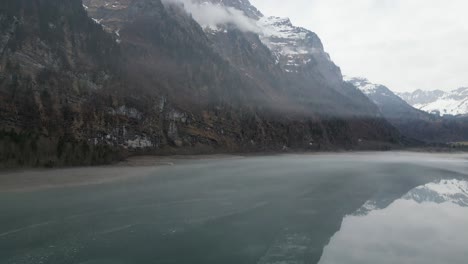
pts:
[298, 50]
[88, 82]
[294, 49]
[291, 57]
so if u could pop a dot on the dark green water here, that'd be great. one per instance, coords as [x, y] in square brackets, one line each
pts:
[283, 209]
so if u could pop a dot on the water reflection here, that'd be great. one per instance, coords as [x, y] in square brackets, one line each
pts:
[427, 225]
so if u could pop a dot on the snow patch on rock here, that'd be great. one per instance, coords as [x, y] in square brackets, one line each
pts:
[139, 142]
[292, 46]
[363, 84]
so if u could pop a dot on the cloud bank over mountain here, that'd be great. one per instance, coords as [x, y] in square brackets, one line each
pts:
[214, 15]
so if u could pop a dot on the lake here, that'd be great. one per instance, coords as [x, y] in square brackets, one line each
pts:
[393, 207]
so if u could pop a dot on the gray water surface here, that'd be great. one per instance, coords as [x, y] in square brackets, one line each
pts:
[289, 209]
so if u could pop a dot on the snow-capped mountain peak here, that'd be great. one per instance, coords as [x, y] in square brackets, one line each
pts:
[438, 102]
[284, 37]
[295, 49]
[392, 106]
[298, 50]
[445, 191]
[363, 84]
[292, 46]
[370, 89]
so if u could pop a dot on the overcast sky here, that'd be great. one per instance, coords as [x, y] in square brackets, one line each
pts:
[404, 44]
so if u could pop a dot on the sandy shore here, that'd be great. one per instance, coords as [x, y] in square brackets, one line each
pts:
[36, 179]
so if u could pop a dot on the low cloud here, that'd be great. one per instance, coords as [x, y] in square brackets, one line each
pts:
[214, 15]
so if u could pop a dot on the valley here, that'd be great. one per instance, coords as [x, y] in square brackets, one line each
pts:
[95, 82]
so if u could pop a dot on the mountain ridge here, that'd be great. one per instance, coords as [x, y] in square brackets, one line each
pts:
[410, 121]
[142, 77]
[438, 102]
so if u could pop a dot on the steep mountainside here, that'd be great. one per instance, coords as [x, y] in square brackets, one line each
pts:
[410, 121]
[145, 77]
[55, 64]
[295, 49]
[298, 50]
[294, 58]
[439, 102]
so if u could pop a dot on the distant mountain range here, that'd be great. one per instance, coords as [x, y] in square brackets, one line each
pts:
[439, 102]
[452, 191]
[410, 120]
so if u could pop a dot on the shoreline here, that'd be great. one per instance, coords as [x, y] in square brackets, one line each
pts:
[36, 179]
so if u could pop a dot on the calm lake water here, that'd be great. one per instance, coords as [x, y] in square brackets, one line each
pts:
[289, 209]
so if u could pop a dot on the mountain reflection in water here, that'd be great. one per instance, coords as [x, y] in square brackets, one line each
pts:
[427, 225]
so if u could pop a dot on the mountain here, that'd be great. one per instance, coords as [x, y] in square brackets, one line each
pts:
[245, 53]
[94, 81]
[446, 191]
[421, 97]
[388, 102]
[295, 57]
[410, 121]
[438, 102]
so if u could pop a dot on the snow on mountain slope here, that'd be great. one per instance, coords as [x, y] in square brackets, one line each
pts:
[296, 49]
[379, 94]
[95, 6]
[421, 97]
[364, 85]
[438, 102]
[292, 46]
[445, 191]
[392, 106]
[435, 102]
